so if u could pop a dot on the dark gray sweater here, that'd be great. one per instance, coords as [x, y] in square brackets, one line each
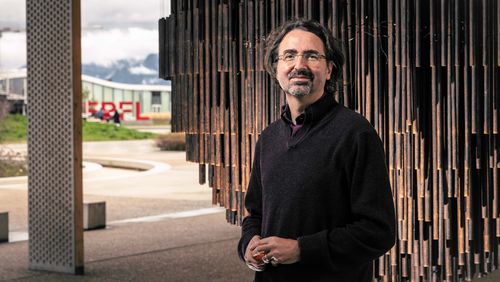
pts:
[326, 186]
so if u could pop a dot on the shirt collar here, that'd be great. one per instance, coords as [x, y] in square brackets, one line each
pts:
[313, 113]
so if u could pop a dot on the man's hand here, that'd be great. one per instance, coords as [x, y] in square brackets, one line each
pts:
[251, 261]
[285, 251]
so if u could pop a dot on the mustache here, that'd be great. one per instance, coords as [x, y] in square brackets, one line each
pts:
[301, 72]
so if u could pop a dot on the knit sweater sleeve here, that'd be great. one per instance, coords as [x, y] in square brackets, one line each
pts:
[251, 225]
[371, 231]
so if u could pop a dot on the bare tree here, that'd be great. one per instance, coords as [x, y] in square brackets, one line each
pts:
[4, 109]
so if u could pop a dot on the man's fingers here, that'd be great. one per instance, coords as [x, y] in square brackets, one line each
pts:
[254, 242]
[268, 240]
[284, 251]
[250, 259]
[262, 249]
[266, 245]
[252, 246]
[259, 256]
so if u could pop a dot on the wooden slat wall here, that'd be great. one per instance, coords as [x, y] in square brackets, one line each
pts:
[424, 73]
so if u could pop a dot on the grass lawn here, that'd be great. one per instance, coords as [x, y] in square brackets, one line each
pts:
[97, 131]
[13, 130]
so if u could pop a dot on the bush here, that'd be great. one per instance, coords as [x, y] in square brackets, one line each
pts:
[13, 129]
[12, 168]
[159, 118]
[12, 163]
[171, 142]
[4, 110]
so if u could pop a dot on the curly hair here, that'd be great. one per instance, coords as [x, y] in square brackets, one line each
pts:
[333, 50]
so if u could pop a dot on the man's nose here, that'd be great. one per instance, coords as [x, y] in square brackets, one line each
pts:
[300, 62]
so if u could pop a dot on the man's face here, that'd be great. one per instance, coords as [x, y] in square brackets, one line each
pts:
[302, 77]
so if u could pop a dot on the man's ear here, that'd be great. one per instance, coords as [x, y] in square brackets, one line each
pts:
[330, 70]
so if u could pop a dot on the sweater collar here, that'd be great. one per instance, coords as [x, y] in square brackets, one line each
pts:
[313, 113]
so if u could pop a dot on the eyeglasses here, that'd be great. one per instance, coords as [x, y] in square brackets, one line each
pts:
[311, 58]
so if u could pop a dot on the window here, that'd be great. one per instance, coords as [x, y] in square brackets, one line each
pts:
[156, 98]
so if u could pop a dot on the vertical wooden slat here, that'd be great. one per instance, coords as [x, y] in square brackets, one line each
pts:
[425, 73]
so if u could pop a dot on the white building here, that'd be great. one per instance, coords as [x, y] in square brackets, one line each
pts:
[134, 101]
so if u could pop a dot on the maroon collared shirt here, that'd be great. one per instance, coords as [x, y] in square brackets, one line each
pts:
[299, 121]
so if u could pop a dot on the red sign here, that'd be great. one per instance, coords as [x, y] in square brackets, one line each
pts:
[110, 107]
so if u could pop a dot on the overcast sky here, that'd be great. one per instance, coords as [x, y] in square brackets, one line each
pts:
[108, 13]
[112, 30]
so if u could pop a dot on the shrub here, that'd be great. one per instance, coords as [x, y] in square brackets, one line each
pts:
[12, 163]
[159, 118]
[4, 110]
[13, 129]
[171, 142]
[12, 168]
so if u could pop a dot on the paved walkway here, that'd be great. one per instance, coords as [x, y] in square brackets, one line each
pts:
[161, 224]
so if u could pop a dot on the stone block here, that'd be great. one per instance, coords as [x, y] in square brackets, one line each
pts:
[4, 227]
[94, 215]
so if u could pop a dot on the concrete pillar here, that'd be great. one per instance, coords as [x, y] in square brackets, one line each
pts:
[54, 136]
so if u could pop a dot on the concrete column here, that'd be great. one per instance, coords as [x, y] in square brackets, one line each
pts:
[54, 136]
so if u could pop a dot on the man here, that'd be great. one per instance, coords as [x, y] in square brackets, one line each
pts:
[319, 199]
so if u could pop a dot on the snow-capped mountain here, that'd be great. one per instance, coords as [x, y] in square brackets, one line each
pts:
[128, 71]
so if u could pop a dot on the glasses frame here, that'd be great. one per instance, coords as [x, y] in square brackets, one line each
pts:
[295, 57]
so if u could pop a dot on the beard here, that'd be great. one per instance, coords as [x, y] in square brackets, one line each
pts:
[300, 88]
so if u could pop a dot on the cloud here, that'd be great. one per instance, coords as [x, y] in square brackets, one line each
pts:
[107, 13]
[13, 10]
[101, 47]
[12, 50]
[118, 12]
[127, 30]
[142, 70]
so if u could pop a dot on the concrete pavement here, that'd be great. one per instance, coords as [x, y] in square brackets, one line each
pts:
[148, 237]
